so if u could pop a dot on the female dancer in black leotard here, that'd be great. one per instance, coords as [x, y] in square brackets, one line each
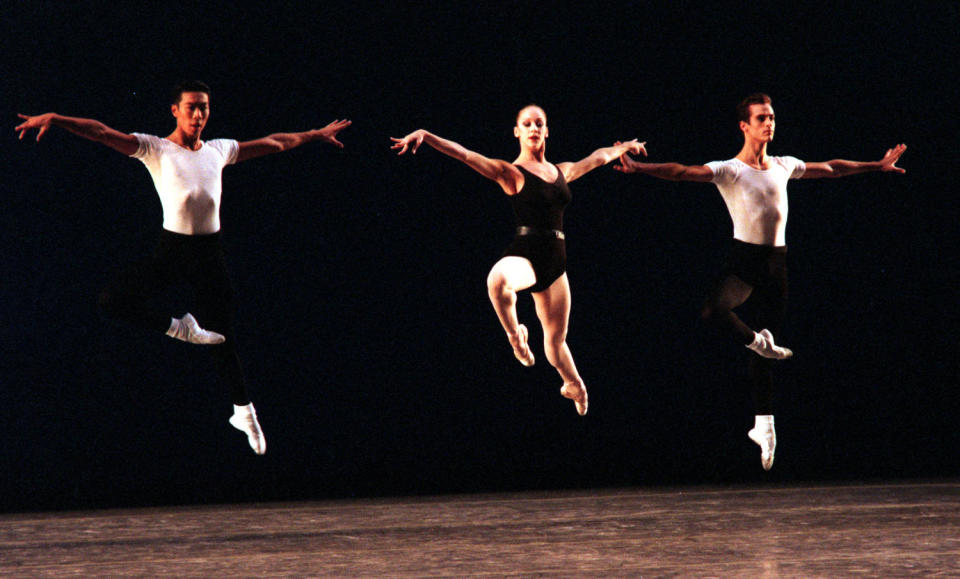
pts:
[536, 259]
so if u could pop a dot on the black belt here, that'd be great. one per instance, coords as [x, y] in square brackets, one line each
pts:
[524, 230]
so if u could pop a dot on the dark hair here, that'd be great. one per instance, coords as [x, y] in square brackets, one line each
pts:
[743, 109]
[529, 106]
[187, 86]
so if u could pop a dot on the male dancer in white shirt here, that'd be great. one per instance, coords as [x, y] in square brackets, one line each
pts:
[186, 172]
[754, 187]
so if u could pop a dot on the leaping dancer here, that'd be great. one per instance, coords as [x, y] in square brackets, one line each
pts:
[536, 260]
[754, 187]
[187, 174]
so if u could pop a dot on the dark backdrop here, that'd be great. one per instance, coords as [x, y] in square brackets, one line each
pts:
[375, 361]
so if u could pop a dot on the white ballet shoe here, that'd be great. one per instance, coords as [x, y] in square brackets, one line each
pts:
[763, 345]
[522, 349]
[766, 438]
[244, 419]
[577, 393]
[188, 330]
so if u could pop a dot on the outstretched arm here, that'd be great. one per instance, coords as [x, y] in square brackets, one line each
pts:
[86, 128]
[504, 173]
[668, 171]
[279, 142]
[599, 158]
[842, 168]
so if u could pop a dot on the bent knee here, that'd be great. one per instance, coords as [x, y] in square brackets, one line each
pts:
[511, 274]
[706, 313]
[497, 284]
[711, 313]
[500, 284]
[495, 279]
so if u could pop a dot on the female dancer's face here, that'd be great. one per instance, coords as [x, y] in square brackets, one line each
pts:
[531, 127]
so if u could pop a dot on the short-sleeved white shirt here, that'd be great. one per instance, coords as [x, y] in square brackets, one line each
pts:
[188, 182]
[757, 198]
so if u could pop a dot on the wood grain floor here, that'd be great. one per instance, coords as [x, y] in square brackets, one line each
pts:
[877, 530]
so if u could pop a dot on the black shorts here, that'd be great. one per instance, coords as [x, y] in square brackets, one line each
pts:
[758, 265]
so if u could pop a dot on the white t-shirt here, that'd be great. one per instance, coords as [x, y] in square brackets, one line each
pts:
[188, 182]
[757, 199]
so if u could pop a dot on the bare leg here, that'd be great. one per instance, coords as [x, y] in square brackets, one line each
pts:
[553, 309]
[508, 276]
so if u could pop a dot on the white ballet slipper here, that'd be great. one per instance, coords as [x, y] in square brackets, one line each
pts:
[763, 345]
[244, 419]
[188, 330]
[765, 436]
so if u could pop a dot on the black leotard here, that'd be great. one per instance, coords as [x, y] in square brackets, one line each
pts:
[539, 205]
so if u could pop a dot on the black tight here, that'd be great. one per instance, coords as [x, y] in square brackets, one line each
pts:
[754, 276]
[197, 260]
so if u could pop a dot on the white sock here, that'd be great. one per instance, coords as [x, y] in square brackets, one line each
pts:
[176, 329]
[762, 421]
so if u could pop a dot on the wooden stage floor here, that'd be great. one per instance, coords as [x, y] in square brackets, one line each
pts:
[876, 530]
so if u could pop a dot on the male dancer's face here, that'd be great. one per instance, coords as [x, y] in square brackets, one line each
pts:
[192, 113]
[762, 124]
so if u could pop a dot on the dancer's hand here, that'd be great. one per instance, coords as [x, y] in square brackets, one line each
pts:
[635, 147]
[411, 142]
[627, 164]
[889, 161]
[40, 122]
[328, 134]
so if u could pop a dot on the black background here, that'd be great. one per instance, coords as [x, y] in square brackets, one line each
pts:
[374, 358]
